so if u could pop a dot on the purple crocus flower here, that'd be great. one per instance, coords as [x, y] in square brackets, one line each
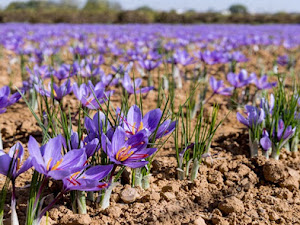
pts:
[49, 161]
[283, 60]
[238, 57]
[262, 83]
[149, 64]
[58, 92]
[268, 107]
[90, 146]
[289, 131]
[135, 122]
[130, 87]
[6, 99]
[89, 70]
[265, 141]
[218, 87]
[182, 58]
[86, 96]
[255, 116]
[88, 180]
[11, 162]
[96, 126]
[130, 152]
[40, 71]
[239, 80]
[63, 72]
[210, 57]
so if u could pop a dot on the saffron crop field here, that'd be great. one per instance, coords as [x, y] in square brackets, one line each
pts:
[149, 124]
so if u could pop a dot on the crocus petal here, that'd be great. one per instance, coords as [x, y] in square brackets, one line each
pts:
[134, 118]
[118, 140]
[5, 162]
[26, 166]
[97, 172]
[52, 150]
[242, 119]
[34, 151]
[151, 119]
[136, 164]
[266, 143]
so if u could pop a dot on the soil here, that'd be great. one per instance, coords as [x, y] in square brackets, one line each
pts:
[231, 188]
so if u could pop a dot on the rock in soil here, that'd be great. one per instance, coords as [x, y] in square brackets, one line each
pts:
[274, 171]
[129, 195]
[231, 204]
[199, 221]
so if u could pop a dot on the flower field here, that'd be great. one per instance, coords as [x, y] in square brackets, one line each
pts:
[149, 124]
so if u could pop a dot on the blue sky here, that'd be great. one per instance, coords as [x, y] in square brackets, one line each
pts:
[203, 5]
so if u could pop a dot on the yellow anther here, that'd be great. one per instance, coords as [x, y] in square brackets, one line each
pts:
[141, 126]
[124, 153]
[54, 93]
[48, 164]
[18, 163]
[133, 128]
[74, 175]
[57, 165]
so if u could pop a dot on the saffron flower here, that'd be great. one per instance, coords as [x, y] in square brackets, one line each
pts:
[182, 58]
[255, 116]
[135, 122]
[11, 162]
[149, 64]
[288, 131]
[265, 141]
[130, 152]
[96, 126]
[268, 107]
[88, 180]
[239, 80]
[6, 99]
[86, 96]
[262, 83]
[48, 159]
[90, 146]
[283, 60]
[130, 87]
[58, 92]
[218, 87]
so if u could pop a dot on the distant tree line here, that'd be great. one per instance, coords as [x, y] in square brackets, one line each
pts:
[104, 11]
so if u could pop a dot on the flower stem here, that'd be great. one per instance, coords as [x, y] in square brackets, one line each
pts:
[195, 169]
[14, 215]
[106, 198]
[81, 202]
[146, 181]
[38, 195]
[138, 177]
[43, 212]
[275, 153]
[295, 143]
[253, 144]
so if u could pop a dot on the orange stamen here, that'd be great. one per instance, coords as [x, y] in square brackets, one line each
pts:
[141, 126]
[124, 153]
[48, 164]
[57, 164]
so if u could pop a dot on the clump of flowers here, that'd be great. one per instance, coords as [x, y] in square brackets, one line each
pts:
[254, 122]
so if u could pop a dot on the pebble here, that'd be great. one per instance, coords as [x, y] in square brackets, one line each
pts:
[231, 204]
[129, 195]
[199, 221]
[168, 196]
